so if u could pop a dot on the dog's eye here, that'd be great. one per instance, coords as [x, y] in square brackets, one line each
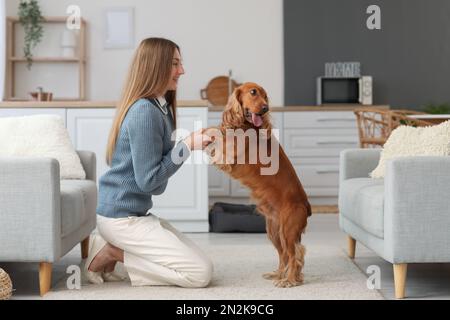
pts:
[253, 92]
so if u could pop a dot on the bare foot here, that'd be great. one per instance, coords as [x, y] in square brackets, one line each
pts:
[105, 258]
[110, 267]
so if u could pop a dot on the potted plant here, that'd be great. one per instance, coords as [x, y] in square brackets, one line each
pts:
[31, 19]
[443, 108]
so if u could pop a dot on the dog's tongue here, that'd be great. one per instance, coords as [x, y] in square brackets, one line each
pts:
[257, 120]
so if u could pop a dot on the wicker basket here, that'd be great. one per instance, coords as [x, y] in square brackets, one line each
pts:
[375, 125]
[5, 285]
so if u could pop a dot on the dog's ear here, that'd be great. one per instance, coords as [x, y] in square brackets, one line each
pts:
[267, 126]
[265, 96]
[267, 121]
[233, 115]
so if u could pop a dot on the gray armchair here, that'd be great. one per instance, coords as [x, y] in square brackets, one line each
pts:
[405, 217]
[42, 217]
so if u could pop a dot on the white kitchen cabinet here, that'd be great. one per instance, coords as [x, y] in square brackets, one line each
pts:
[218, 182]
[313, 142]
[319, 143]
[89, 130]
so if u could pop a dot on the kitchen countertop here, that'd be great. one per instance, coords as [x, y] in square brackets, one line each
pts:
[85, 104]
[337, 107]
[181, 104]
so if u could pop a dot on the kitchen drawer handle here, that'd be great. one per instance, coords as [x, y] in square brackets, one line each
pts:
[335, 119]
[336, 142]
[326, 171]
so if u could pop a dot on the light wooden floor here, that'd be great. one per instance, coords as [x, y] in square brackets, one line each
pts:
[325, 209]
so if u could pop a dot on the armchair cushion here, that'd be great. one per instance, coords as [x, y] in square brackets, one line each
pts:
[40, 136]
[410, 141]
[361, 200]
[78, 199]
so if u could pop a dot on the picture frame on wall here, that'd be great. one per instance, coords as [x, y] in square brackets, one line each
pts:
[119, 28]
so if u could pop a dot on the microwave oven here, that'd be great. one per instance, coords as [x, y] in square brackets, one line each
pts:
[344, 90]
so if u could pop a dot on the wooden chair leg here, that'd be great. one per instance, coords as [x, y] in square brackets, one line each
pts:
[400, 271]
[351, 247]
[45, 277]
[85, 248]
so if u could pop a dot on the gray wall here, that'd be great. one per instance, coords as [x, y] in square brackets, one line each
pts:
[409, 57]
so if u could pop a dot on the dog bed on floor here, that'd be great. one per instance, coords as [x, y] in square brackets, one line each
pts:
[230, 217]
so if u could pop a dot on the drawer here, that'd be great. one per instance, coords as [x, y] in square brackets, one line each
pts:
[324, 119]
[320, 176]
[298, 144]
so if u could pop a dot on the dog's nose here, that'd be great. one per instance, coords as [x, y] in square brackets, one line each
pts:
[265, 109]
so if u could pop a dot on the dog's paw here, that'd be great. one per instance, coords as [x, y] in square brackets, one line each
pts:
[286, 283]
[300, 278]
[274, 275]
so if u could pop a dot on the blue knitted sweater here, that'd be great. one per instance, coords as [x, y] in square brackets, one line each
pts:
[144, 159]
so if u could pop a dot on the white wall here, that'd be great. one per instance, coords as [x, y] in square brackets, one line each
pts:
[214, 35]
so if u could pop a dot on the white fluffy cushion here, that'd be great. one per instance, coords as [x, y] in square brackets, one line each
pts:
[41, 136]
[406, 141]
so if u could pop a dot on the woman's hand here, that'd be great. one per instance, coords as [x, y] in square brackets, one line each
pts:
[197, 140]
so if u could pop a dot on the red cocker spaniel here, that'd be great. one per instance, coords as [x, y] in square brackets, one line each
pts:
[246, 148]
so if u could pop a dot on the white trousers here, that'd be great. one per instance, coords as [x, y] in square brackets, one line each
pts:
[155, 253]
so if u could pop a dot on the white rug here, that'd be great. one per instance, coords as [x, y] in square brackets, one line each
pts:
[329, 274]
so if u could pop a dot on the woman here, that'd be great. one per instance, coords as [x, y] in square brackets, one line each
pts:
[142, 157]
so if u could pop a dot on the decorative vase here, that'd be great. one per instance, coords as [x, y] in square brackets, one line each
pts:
[40, 95]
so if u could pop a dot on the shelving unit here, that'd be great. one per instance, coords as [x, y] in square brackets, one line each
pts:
[12, 58]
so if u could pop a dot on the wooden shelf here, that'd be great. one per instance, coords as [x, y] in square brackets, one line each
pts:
[47, 19]
[47, 59]
[13, 59]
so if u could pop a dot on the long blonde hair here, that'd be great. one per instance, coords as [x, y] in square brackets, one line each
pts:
[148, 77]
